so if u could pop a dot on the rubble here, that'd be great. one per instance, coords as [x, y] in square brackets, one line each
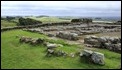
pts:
[110, 43]
[95, 57]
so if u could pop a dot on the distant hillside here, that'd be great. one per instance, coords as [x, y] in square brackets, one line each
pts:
[50, 19]
[109, 18]
[5, 23]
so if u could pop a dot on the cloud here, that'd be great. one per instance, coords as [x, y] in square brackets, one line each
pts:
[61, 8]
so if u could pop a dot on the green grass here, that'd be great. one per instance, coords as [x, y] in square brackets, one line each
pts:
[5, 23]
[22, 55]
[14, 22]
[50, 19]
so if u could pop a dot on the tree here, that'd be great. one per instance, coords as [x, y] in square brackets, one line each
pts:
[28, 21]
[76, 20]
[87, 21]
[9, 18]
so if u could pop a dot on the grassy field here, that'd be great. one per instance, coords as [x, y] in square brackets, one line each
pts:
[56, 19]
[16, 55]
[50, 19]
[5, 23]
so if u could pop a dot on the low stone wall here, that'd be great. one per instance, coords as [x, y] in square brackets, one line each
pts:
[110, 43]
[33, 26]
[92, 56]
[33, 41]
[67, 35]
[53, 49]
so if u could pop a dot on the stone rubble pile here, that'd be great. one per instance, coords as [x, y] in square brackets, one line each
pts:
[67, 35]
[53, 51]
[33, 41]
[110, 43]
[34, 30]
[95, 57]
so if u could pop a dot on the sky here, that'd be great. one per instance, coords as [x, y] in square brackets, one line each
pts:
[61, 8]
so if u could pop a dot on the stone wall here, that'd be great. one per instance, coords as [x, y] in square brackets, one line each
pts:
[110, 43]
[67, 35]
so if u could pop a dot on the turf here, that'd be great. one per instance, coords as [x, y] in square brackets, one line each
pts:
[15, 55]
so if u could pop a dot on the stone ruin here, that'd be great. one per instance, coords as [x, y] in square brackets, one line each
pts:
[110, 43]
[33, 41]
[73, 31]
[53, 50]
[91, 56]
[34, 30]
[67, 35]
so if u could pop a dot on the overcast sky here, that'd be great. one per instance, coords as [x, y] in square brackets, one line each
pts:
[61, 8]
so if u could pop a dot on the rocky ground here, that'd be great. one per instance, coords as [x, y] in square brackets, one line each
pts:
[75, 33]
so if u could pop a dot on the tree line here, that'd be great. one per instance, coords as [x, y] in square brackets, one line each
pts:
[28, 21]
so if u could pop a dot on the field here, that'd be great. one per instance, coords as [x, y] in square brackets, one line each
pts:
[50, 19]
[5, 23]
[60, 35]
[16, 55]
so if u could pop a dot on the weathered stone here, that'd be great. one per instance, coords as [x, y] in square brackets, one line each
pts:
[74, 36]
[110, 47]
[116, 40]
[107, 45]
[110, 43]
[94, 57]
[59, 53]
[117, 47]
[92, 40]
[33, 42]
[102, 39]
[94, 37]
[98, 58]
[67, 35]
[81, 54]
[50, 35]
[50, 51]
[27, 40]
[86, 39]
[88, 45]
[72, 55]
[39, 40]
[87, 52]
[51, 46]
[111, 39]
[22, 39]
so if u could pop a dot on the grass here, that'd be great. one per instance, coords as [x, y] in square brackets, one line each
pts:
[15, 55]
[5, 23]
[50, 19]
[13, 22]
